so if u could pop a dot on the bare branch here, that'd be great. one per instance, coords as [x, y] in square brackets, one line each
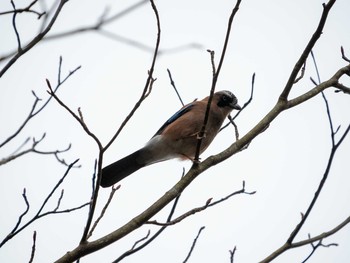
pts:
[34, 111]
[302, 72]
[39, 214]
[232, 254]
[243, 107]
[149, 81]
[308, 241]
[194, 244]
[315, 247]
[208, 203]
[333, 150]
[135, 249]
[342, 88]
[80, 121]
[146, 91]
[141, 239]
[332, 82]
[289, 243]
[19, 47]
[104, 209]
[234, 125]
[22, 215]
[30, 115]
[35, 40]
[212, 60]
[216, 73]
[25, 10]
[343, 55]
[33, 149]
[33, 248]
[101, 21]
[173, 85]
[301, 61]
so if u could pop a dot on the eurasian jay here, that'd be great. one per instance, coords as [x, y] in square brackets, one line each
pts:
[177, 138]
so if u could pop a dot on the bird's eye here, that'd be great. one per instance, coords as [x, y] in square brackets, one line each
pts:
[224, 98]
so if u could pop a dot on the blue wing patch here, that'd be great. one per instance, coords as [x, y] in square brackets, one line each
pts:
[173, 118]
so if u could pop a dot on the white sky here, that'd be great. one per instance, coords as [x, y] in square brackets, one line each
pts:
[284, 164]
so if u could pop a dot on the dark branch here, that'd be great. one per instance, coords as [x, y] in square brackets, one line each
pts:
[104, 209]
[343, 55]
[173, 85]
[193, 244]
[302, 60]
[17, 229]
[24, 10]
[135, 249]
[216, 73]
[244, 105]
[232, 254]
[35, 40]
[19, 46]
[208, 203]
[33, 248]
[315, 247]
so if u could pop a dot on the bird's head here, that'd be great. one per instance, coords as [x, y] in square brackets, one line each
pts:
[226, 98]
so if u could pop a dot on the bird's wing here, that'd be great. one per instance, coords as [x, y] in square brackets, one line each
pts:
[177, 115]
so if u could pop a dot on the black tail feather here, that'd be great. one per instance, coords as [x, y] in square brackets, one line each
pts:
[118, 170]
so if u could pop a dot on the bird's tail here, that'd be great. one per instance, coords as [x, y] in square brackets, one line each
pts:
[118, 170]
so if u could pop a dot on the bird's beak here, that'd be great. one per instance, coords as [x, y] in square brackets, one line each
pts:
[235, 106]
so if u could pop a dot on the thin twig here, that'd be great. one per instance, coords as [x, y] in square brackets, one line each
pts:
[173, 85]
[33, 248]
[33, 149]
[23, 214]
[208, 203]
[135, 249]
[39, 214]
[315, 247]
[193, 244]
[34, 111]
[104, 209]
[141, 239]
[232, 254]
[25, 10]
[301, 61]
[302, 72]
[75, 116]
[101, 21]
[244, 105]
[35, 40]
[19, 46]
[234, 125]
[343, 55]
[149, 81]
[216, 73]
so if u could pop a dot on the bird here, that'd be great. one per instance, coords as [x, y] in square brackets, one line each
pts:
[177, 137]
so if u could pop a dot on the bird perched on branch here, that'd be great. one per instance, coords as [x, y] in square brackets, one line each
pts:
[177, 138]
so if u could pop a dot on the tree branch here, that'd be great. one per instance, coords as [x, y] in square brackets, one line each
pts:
[39, 214]
[302, 60]
[35, 40]
[193, 244]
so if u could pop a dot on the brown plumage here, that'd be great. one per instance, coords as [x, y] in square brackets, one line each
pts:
[177, 138]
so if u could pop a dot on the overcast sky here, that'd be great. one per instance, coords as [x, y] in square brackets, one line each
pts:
[284, 165]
